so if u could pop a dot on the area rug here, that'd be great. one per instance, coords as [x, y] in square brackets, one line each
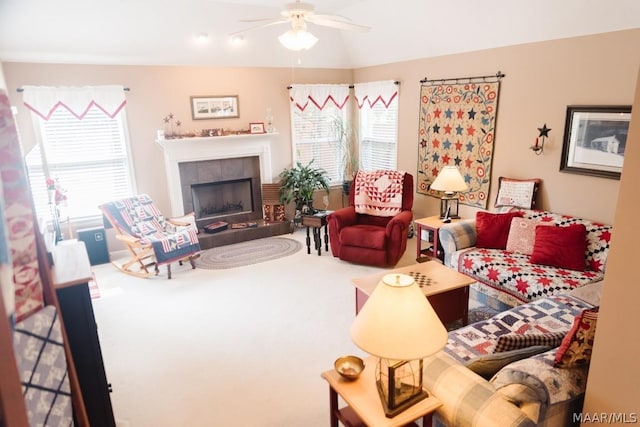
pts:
[246, 253]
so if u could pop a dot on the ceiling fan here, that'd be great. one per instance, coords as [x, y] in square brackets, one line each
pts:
[298, 14]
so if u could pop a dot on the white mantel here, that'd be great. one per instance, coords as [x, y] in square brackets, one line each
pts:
[182, 150]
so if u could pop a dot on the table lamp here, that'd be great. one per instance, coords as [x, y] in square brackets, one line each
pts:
[398, 325]
[449, 181]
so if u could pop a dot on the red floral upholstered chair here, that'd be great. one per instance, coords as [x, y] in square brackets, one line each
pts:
[373, 229]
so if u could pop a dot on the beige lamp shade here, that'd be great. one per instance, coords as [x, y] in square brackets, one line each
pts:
[397, 322]
[449, 180]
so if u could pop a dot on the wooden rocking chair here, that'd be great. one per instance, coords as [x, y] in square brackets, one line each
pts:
[151, 239]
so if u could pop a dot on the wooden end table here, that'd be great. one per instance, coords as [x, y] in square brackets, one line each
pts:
[432, 224]
[316, 222]
[364, 407]
[446, 289]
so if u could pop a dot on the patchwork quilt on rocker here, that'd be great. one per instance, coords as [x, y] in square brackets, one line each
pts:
[378, 193]
[141, 218]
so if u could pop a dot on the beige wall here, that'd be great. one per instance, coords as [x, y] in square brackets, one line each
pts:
[3, 84]
[541, 80]
[156, 91]
[614, 374]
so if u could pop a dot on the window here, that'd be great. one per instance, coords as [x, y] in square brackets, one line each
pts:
[314, 139]
[89, 158]
[378, 125]
[314, 112]
[379, 136]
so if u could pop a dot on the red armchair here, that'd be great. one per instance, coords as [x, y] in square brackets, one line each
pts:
[368, 239]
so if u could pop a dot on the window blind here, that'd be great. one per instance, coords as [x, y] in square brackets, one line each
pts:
[89, 158]
[378, 127]
[314, 138]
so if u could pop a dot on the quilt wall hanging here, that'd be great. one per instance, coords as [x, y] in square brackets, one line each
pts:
[457, 128]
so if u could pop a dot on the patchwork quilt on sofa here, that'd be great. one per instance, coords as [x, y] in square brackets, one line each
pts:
[531, 385]
[510, 277]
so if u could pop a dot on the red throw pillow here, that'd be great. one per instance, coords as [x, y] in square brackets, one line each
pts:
[563, 247]
[493, 229]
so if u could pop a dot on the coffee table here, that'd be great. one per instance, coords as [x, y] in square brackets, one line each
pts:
[363, 402]
[446, 289]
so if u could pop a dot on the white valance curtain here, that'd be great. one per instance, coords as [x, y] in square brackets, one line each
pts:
[319, 95]
[369, 94]
[44, 100]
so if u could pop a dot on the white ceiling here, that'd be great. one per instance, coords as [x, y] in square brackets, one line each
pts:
[145, 32]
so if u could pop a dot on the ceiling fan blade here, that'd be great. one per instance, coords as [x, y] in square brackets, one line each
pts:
[264, 19]
[267, 23]
[338, 22]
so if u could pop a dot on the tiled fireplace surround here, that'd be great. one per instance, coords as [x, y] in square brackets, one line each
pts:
[191, 161]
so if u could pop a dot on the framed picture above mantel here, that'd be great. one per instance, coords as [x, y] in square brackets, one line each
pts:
[214, 107]
[595, 139]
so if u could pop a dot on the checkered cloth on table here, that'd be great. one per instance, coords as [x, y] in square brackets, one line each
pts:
[509, 342]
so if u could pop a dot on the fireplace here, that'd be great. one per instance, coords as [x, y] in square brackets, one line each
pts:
[212, 200]
[221, 163]
[222, 189]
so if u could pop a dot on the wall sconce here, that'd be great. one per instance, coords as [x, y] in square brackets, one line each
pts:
[538, 147]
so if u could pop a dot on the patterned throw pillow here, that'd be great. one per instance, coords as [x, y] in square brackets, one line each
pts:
[562, 247]
[510, 342]
[519, 193]
[577, 345]
[493, 229]
[522, 235]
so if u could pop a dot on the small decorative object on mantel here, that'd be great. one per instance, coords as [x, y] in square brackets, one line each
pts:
[538, 147]
[269, 119]
[256, 128]
[210, 132]
[169, 131]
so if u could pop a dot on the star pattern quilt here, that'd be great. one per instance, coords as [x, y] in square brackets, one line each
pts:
[457, 128]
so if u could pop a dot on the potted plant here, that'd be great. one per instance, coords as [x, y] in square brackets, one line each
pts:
[347, 144]
[298, 183]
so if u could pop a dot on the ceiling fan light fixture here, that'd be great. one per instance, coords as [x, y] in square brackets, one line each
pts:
[298, 39]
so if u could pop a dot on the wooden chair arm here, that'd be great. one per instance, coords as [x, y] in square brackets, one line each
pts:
[130, 240]
[184, 220]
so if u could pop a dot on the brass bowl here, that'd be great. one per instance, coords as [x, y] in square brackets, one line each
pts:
[349, 367]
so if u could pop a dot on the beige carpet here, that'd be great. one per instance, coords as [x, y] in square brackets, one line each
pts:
[235, 347]
[240, 346]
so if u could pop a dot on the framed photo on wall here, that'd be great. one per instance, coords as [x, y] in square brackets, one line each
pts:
[214, 107]
[595, 139]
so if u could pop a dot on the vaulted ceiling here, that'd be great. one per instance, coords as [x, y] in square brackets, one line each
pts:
[145, 32]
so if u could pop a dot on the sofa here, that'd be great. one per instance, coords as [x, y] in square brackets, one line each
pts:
[516, 257]
[539, 382]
